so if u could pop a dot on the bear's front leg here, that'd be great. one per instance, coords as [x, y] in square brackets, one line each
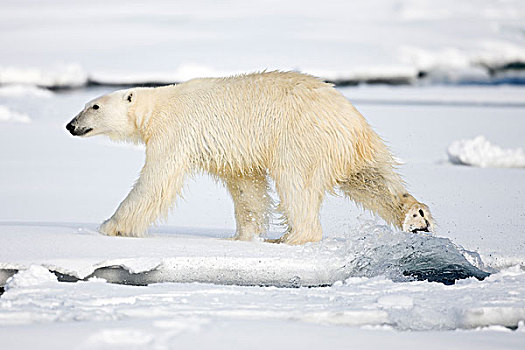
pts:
[160, 181]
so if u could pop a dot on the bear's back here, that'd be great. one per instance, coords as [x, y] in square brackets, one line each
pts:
[248, 120]
[274, 82]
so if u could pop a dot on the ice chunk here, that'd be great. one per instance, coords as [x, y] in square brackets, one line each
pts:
[493, 315]
[33, 276]
[480, 152]
[401, 256]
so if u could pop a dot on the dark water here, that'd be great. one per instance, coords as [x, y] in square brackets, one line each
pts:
[401, 256]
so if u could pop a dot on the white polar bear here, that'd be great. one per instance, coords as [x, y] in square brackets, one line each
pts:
[288, 126]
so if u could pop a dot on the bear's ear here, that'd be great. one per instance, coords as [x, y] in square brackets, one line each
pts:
[129, 96]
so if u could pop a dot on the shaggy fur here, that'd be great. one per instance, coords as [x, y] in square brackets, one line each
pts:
[292, 127]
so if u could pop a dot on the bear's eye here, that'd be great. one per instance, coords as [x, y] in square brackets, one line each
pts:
[96, 107]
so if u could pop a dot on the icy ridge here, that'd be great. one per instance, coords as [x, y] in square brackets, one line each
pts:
[73, 76]
[368, 251]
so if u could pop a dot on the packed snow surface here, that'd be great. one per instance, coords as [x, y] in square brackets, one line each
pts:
[32, 296]
[70, 43]
[56, 189]
[480, 152]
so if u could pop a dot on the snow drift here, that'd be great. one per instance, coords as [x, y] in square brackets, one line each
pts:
[64, 76]
[14, 91]
[8, 115]
[480, 152]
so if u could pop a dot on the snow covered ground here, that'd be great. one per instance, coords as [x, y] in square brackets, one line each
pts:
[58, 42]
[216, 293]
[56, 189]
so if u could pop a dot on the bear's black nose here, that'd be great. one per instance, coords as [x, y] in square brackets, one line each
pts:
[70, 127]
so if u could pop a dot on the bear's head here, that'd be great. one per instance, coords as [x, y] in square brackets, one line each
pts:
[107, 115]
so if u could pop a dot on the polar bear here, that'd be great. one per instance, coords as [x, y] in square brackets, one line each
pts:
[292, 127]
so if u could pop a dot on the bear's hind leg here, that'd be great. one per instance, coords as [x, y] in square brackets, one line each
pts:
[252, 204]
[381, 190]
[371, 188]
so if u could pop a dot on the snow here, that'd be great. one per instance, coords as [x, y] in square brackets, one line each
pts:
[70, 75]
[480, 152]
[8, 115]
[204, 291]
[183, 72]
[76, 42]
[56, 194]
[428, 95]
[226, 333]
[32, 296]
[370, 250]
[33, 276]
[24, 91]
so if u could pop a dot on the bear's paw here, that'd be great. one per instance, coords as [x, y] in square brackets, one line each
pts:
[111, 227]
[418, 219]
